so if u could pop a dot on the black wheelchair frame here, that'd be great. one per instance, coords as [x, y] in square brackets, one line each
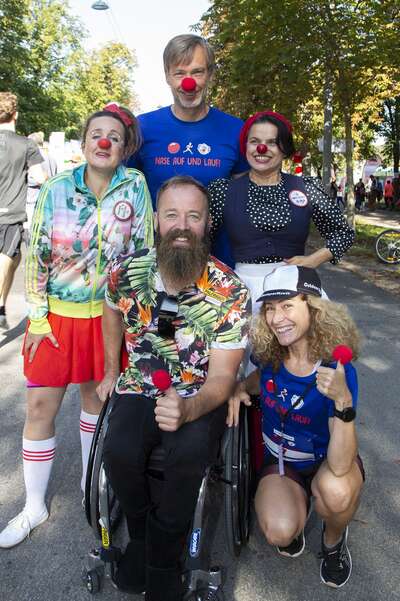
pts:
[232, 473]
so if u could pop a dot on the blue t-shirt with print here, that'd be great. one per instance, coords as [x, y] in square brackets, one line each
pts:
[305, 433]
[207, 149]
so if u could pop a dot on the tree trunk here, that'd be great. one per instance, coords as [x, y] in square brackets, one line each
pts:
[327, 143]
[396, 136]
[350, 212]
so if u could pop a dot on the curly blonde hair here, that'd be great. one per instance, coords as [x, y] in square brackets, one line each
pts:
[330, 325]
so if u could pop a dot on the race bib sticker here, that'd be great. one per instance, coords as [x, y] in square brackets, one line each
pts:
[298, 198]
[123, 210]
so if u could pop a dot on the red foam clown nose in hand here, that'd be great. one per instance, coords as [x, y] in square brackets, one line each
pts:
[104, 143]
[161, 379]
[342, 353]
[262, 148]
[188, 84]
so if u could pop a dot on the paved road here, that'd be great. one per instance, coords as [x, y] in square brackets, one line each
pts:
[380, 217]
[47, 567]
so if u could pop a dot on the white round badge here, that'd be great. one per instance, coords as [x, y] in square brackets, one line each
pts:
[123, 210]
[298, 198]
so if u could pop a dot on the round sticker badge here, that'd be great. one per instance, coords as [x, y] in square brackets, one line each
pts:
[298, 198]
[123, 210]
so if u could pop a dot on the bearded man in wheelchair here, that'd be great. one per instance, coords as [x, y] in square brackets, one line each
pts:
[185, 319]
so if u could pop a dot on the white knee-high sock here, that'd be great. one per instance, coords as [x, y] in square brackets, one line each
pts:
[87, 426]
[38, 457]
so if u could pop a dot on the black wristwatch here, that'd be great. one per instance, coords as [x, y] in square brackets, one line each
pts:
[347, 415]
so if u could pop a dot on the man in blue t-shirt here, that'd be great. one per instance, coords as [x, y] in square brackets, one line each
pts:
[189, 137]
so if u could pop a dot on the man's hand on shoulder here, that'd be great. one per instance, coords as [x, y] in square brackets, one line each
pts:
[172, 411]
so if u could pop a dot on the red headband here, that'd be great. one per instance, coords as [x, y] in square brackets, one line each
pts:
[114, 108]
[244, 132]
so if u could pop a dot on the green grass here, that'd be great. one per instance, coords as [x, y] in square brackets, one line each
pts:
[364, 243]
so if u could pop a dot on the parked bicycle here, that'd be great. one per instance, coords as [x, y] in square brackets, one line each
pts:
[387, 246]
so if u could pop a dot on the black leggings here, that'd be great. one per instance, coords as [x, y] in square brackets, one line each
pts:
[133, 433]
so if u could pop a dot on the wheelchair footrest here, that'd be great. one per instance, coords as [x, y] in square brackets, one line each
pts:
[110, 555]
[212, 578]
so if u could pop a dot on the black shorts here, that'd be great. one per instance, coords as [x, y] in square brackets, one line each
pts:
[11, 236]
[302, 477]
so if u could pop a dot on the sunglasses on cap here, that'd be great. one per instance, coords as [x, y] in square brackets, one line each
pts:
[166, 317]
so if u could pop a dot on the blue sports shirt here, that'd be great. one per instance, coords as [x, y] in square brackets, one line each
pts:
[305, 434]
[207, 149]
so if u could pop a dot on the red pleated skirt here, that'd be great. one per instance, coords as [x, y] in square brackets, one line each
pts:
[79, 357]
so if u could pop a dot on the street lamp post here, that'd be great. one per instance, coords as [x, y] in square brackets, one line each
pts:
[100, 5]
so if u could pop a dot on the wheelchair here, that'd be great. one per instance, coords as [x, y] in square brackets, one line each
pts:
[228, 483]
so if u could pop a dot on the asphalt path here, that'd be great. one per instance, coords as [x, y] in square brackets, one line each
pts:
[47, 567]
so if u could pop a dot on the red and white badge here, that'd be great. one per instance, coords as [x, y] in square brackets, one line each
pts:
[298, 198]
[123, 210]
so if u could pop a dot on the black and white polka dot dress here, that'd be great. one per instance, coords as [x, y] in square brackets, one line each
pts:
[269, 210]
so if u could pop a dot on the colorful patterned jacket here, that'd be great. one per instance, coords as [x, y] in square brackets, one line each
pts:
[75, 237]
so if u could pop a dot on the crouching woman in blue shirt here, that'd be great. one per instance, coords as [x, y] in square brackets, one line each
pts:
[308, 404]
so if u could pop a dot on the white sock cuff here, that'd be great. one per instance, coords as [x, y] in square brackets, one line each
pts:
[88, 422]
[38, 450]
[39, 445]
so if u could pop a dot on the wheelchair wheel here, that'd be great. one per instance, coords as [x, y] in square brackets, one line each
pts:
[207, 594]
[237, 474]
[92, 581]
[387, 246]
[95, 473]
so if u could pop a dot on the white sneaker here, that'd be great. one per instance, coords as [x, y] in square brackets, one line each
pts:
[19, 528]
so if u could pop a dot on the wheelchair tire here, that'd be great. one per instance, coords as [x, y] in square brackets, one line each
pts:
[95, 468]
[92, 581]
[387, 247]
[91, 460]
[237, 474]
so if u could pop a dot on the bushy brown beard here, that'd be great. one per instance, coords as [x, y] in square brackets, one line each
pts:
[182, 266]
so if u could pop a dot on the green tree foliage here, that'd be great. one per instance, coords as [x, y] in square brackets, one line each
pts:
[104, 75]
[13, 32]
[389, 128]
[44, 62]
[279, 54]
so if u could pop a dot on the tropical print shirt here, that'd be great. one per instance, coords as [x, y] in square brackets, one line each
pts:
[213, 313]
[76, 236]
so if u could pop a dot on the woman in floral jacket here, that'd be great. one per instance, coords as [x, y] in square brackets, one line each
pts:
[83, 219]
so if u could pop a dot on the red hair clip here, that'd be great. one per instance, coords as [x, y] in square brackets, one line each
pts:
[113, 107]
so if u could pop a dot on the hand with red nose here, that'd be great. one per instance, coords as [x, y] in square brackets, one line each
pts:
[171, 409]
[262, 148]
[188, 84]
[332, 382]
[104, 143]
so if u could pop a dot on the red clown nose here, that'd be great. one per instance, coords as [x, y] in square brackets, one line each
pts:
[188, 84]
[262, 148]
[342, 353]
[161, 379]
[104, 143]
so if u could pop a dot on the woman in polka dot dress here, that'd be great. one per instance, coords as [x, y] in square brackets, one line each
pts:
[267, 213]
